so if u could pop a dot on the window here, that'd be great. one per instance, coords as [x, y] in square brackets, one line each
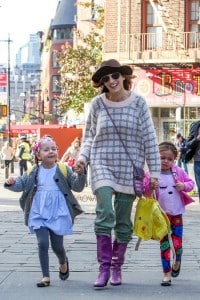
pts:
[54, 106]
[153, 26]
[168, 112]
[155, 112]
[94, 10]
[195, 11]
[194, 23]
[55, 64]
[55, 81]
[63, 34]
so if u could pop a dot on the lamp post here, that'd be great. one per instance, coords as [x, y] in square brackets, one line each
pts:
[24, 104]
[8, 85]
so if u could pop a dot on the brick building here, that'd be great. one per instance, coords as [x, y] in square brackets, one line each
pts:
[59, 32]
[161, 40]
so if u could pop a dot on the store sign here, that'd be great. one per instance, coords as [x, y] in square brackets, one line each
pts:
[171, 86]
[177, 81]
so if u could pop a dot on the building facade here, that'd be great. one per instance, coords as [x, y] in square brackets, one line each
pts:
[59, 32]
[161, 40]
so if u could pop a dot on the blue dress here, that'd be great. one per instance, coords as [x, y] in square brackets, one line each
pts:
[49, 208]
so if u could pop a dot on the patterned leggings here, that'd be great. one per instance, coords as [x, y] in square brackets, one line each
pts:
[177, 234]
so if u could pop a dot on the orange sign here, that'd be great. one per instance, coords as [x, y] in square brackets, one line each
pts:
[3, 111]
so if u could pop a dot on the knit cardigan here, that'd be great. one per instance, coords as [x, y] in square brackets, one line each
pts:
[101, 147]
[27, 182]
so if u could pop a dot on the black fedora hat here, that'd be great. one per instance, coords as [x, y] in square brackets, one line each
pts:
[110, 66]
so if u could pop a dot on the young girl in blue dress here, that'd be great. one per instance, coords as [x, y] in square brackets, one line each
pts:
[48, 203]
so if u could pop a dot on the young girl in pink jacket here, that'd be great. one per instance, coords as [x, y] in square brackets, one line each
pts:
[171, 192]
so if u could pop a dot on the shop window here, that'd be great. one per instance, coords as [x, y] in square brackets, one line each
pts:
[155, 112]
[190, 113]
[168, 112]
[169, 131]
[198, 112]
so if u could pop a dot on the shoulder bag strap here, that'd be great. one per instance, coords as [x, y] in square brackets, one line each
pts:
[117, 131]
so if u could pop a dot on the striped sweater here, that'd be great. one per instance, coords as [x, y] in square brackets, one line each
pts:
[102, 148]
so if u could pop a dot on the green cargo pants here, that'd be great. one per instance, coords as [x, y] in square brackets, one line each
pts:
[114, 214]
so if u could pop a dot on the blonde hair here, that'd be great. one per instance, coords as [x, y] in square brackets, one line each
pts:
[77, 139]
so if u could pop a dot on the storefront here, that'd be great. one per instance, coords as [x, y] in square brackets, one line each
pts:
[173, 95]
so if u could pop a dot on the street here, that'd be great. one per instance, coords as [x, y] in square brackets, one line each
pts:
[142, 274]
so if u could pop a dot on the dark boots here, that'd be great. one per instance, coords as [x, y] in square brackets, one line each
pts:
[104, 256]
[118, 253]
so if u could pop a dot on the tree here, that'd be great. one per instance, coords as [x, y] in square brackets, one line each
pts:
[78, 65]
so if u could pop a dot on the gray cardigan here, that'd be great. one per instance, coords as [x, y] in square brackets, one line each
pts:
[27, 183]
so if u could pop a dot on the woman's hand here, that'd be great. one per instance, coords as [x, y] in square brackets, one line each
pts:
[79, 167]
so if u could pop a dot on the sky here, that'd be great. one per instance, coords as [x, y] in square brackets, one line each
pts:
[19, 18]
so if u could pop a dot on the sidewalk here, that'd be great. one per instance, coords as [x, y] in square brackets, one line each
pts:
[19, 265]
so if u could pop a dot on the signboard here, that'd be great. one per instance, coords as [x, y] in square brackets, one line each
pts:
[169, 86]
[3, 110]
[3, 79]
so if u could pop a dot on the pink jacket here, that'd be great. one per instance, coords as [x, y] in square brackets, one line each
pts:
[179, 175]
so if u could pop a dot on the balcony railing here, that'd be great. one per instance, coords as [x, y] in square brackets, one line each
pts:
[157, 48]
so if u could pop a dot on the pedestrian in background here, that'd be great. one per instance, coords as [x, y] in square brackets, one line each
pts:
[7, 156]
[171, 193]
[182, 149]
[193, 143]
[72, 153]
[111, 167]
[48, 203]
[23, 154]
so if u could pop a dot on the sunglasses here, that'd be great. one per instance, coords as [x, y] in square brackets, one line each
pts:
[106, 78]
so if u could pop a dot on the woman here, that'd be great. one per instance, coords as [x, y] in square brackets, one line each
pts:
[71, 154]
[7, 156]
[111, 166]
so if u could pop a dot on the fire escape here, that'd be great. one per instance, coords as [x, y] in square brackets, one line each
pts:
[167, 45]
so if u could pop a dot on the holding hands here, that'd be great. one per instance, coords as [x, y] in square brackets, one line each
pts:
[79, 167]
[10, 180]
